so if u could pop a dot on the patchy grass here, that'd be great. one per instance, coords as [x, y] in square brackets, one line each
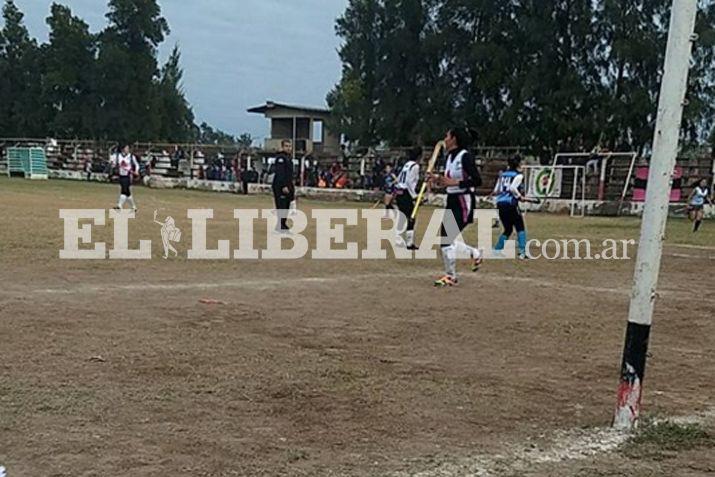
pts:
[660, 440]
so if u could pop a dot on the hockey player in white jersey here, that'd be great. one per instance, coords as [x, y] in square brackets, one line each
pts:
[127, 167]
[405, 196]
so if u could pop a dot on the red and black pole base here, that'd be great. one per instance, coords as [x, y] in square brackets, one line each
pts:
[632, 372]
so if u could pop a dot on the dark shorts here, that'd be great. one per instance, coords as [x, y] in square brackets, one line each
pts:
[461, 207]
[406, 205]
[696, 208]
[511, 218]
[125, 182]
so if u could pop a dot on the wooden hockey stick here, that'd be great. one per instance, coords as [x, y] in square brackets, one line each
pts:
[430, 168]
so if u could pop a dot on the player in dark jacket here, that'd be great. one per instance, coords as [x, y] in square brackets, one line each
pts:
[283, 188]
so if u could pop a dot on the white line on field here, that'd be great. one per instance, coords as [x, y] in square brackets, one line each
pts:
[557, 447]
[694, 247]
[685, 255]
[262, 284]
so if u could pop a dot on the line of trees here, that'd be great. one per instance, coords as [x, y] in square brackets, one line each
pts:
[106, 85]
[535, 73]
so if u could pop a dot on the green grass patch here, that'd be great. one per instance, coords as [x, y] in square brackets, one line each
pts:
[660, 440]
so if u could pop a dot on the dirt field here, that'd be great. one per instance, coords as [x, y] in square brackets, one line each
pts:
[355, 368]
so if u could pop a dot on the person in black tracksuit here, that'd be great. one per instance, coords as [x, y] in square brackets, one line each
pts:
[283, 188]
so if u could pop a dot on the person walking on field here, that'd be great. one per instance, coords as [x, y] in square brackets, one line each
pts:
[406, 195]
[127, 167]
[461, 178]
[283, 187]
[696, 204]
[509, 192]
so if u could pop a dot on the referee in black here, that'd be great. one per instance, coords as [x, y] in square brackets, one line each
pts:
[283, 188]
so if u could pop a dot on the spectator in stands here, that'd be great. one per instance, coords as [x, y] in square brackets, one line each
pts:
[344, 158]
[244, 177]
[594, 162]
[342, 180]
[322, 179]
[236, 167]
[335, 170]
[88, 168]
[389, 181]
[378, 173]
[177, 156]
[328, 177]
[363, 177]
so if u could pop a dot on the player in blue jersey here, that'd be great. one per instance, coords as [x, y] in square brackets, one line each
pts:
[509, 191]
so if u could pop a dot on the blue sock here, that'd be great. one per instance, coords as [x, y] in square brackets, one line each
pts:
[522, 242]
[502, 242]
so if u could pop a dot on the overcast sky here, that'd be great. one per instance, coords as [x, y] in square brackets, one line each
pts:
[236, 53]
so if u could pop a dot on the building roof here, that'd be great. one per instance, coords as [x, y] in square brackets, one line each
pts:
[270, 106]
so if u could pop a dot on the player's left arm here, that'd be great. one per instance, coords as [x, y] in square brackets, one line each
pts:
[473, 178]
[515, 187]
[135, 166]
[414, 178]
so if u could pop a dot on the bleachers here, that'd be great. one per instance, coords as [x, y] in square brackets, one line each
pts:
[28, 162]
[192, 160]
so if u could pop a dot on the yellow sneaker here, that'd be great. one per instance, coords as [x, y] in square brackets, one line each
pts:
[446, 281]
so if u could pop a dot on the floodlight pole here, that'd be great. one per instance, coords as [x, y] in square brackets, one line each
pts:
[655, 214]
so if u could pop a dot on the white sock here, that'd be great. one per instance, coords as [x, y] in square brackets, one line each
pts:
[450, 262]
[410, 237]
[122, 200]
[131, 201]
[463, 248]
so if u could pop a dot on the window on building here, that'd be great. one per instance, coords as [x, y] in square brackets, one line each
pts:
[318, 131]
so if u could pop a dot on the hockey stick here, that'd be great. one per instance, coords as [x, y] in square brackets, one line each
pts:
[430, 167]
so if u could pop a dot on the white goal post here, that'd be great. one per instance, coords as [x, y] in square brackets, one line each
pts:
[604, 159]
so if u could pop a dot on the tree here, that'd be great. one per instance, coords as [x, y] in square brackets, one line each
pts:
[22, 112]
[634, 34]
[401, 71]
[4, 87]
[209, 135]
[245, 140]
[128, 69]
[534, 73]
[553, 88]
[354, 100]
[699, 114]
[70, 89]
[177, 118]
